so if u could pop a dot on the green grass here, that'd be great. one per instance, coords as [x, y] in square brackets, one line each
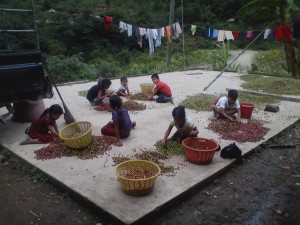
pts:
[203, 102]
[199, 102]
[272, 85]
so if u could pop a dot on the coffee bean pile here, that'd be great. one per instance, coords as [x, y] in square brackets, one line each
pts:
[170, 148]
[138, 174]
[139, 96]
[251, 131]
[133, 106]
[58, 149]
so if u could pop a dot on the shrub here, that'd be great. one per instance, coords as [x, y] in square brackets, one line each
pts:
[269, 62]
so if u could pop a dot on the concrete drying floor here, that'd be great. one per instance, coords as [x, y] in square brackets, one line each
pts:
[94, 180]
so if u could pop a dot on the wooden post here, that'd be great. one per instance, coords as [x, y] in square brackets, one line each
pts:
[171, 18]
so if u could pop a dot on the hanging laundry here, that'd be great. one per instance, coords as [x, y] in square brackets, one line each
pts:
[221, 35]
[287, 33]
[209, 32]
[121, 25]
[158, 38]
[168, 33]
[279, 34]
[267, 33]
[108, 20]
[142, 31]
[173, 31]
[215, 33]
[193, 29]
[129, 30]
[242, 35]
[249, 34]
[124, 26]
[154, 33]
[296, 30]
[228, 35]
[162, 31]
[236, 35]
[149, 36]
[178, 29]
[136, 32]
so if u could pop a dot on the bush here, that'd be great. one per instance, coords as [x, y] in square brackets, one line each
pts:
[107, 70]
[65, 69]
[269, 62]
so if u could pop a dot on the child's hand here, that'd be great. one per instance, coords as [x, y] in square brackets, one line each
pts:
[118, 143]
[163, 141]
[231, 119]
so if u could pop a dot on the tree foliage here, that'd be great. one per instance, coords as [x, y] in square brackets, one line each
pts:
[72, 31]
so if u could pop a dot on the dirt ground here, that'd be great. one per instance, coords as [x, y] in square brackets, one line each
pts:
[263, 188]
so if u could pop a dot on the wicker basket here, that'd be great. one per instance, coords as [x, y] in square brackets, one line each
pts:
[77, 135]
[137, 187]
[199, 150]
[147, 88]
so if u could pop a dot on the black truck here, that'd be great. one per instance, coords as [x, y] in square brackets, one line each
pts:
[22, 78]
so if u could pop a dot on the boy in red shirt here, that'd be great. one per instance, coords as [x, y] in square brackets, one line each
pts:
[162, 90]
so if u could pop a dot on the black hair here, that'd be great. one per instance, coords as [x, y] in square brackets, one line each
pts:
[155, 76]
[123, 78]
[178, 113]
[233, 94]
[115, 103]
[54, 109]
[104, 84]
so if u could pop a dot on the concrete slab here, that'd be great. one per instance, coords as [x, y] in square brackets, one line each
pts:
[95, 180]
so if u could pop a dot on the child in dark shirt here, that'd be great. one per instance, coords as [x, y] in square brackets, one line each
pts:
[121, 125]
[45, 129]
[98, 94]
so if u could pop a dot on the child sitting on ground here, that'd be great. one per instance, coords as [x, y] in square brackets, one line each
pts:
[45, 129]
[121, 125]
[227, 106]
[184, 125]
[122, 88]
[162, 90]
[98, 94]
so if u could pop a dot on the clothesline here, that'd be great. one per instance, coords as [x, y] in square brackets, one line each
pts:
[173, 31]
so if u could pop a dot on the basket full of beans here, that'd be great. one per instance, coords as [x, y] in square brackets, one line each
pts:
[137, 177]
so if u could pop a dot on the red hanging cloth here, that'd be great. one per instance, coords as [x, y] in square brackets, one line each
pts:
[108, 20]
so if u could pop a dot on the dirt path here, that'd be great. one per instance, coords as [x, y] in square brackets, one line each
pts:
[264, 188]
[244, 60]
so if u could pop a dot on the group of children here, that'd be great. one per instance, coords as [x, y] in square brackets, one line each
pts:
[45, 129]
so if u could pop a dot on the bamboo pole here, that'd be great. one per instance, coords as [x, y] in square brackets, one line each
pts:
[284, 98]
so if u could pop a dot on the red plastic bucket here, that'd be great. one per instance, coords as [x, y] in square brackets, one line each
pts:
[246, 110]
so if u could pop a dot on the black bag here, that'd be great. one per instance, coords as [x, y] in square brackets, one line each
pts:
[231, 151]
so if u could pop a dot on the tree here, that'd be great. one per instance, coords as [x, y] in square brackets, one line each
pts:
[283, 11]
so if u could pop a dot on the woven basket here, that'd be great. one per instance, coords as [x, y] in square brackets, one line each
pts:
[137, 187]
[199, 150]
[147, 88]
[77, 135]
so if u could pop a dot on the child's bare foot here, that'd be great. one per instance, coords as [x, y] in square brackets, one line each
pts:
[29, 140]
[133, 124]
